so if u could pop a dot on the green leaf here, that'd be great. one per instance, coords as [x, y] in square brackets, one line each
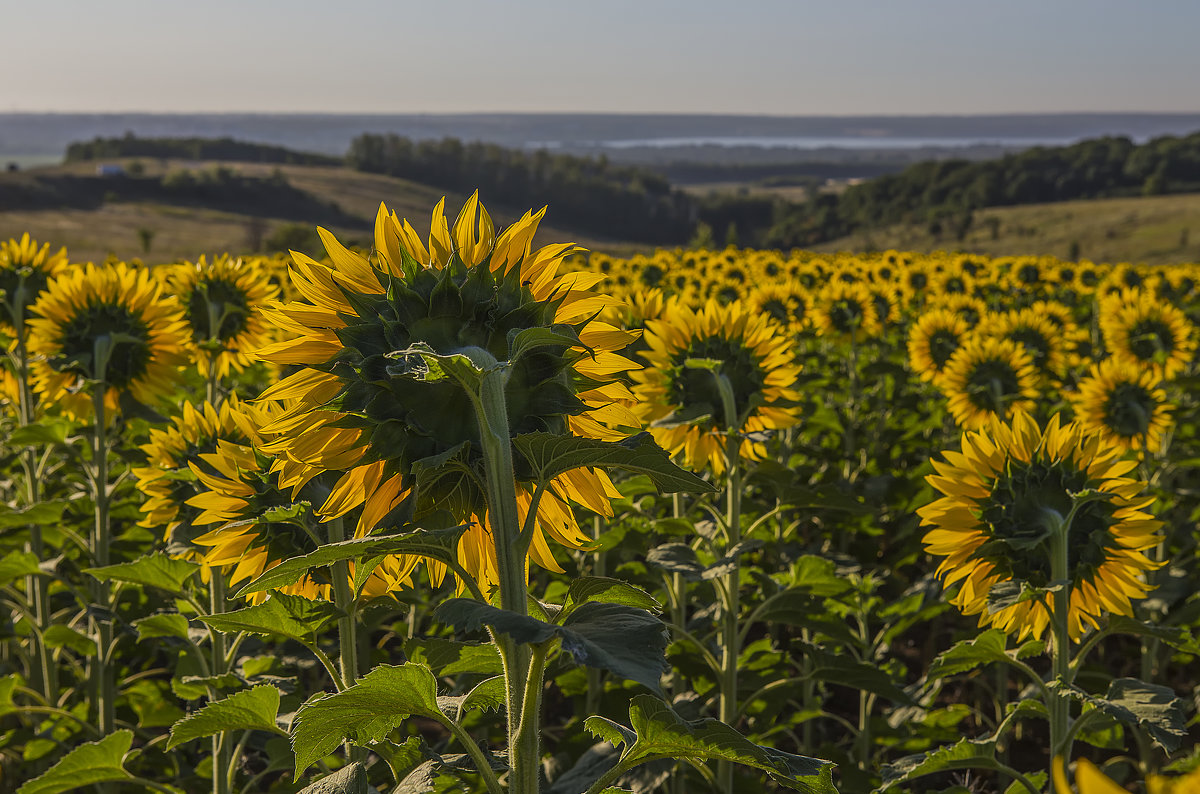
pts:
[487, 695]
[154, 570]
[449, 657]
[797, 608]
[522, 341]
[60, 635]
[624, 640]
[16, 565]
[1038, 779]
[93, 762]
[1150, 706]
[435, 544]
[609, 591]
[816, 576]
[1178, 638]
[965, 754]
[988, 647]
[729, 563]
[660, 732]
[838, 669]
[281, 615]
[423, 777]
[8, 685]
[42, 513]
[252, 710]
[164, 624]
[551, 455]
[364, 713]
[350, 779]
[39, 433]
[677, 558]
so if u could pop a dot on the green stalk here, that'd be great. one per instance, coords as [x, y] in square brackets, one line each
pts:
[37, 587]
[343, 598]
[1059, 705]
[523, 715]
[221, 751]
[595, 678]
[728, 703]
[103, 681]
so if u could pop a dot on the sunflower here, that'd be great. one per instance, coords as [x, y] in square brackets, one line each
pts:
[167, 480]
[221, 302]
[1090, 780]
[683, 404]
[846, 311]
[1148, 332]
[115, 313]
[360, 411]
[258, 523]
[1039, 336]
[1123, 403]
[988, 377]
[25, 270]
[787, 302]
[1004, 492]
[933, 339]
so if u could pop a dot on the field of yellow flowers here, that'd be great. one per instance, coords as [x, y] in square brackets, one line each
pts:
[462, 513]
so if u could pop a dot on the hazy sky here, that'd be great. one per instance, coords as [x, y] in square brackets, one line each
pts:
[785, 57]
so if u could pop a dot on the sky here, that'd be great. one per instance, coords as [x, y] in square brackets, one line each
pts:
[775, 57]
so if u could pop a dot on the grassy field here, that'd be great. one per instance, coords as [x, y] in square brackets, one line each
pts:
[1152, 229]
[186, 230]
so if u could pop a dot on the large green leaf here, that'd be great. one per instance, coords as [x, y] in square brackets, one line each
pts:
[838, 669]
[350, 779]
[661, 733]
[988, 647]
[677, 558]
[449, 657]
[164, 624]
[817, 576]
[364, 713]
[281, 615]
[60, 635]
[39, 433]
[1152, 707]
[423, 777]
[252, 710]
[609, 591]
[18, 564]
[965, 754]
[41, 513]
[93, 762]
[488, 695]
[436, 544]
[551, 455]
[154, 570]
[626, 641]
[1178, 638]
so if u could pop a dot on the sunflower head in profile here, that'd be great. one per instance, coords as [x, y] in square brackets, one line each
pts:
[1148, 332]
[1125, 404]
[932, 340]
[988, 377]
[221, 303]
[25, 270]
[682, 402]
[109, 328]
[846, 311]
[1007, 491]
[361, 407]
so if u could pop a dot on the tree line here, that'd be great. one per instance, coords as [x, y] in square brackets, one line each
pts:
[226, 149]
[588, 194]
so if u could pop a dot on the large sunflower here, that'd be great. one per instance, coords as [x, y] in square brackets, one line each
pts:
[1125, 404]
[1002, 492]
[988, 377]
[222, 302]
[1146, 331]
[25, 270]
[359, 411]
[682, 403]
[115, 313]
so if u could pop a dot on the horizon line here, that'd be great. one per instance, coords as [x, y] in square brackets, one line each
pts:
[709, 114]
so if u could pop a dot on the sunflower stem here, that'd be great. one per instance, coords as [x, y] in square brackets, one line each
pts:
[1059, 705]
[103, 684]
[37, 587]
[343, 598]
[221, 751]
[728, 703]
[523, 708]
[595, 677]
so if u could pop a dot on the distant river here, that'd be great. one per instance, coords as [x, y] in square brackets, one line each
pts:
[841, 142]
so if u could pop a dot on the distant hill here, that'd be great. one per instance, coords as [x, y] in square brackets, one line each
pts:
[225, 149]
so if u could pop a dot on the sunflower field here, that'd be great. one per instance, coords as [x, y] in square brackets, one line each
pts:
[461, 513]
